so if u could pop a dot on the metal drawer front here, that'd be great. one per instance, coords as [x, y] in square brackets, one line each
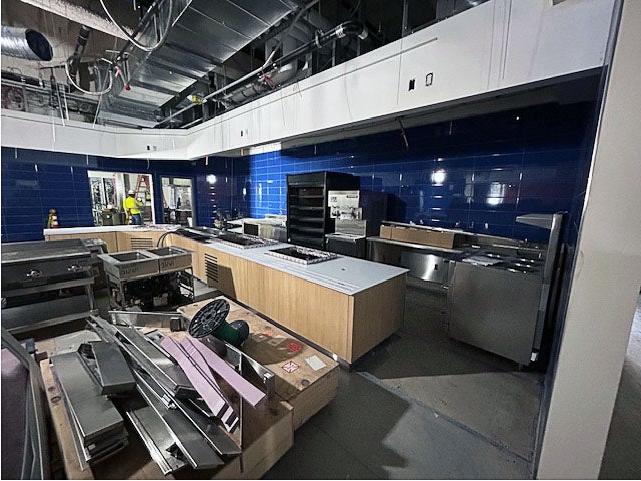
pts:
[494, 309]
[428, 267]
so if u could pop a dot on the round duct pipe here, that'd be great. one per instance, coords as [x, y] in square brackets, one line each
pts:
[284, 67]
[25, 43]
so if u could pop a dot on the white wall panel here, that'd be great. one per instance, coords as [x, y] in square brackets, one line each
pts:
[38, 132]
[605, 280]
[457, 53]
[547, 40]
[153, 144]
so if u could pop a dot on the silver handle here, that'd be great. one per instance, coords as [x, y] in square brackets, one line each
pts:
[33, 274]
[74, 268]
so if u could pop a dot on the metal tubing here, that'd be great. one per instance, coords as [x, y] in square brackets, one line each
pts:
[344, 29]
[25, 43]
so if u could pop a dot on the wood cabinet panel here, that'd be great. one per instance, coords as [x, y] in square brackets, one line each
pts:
[345, 325]
[260, 289]
[230, 274]
[197, 262]
[110, 240]
[124, 241]
[315, 312]
[375, 314]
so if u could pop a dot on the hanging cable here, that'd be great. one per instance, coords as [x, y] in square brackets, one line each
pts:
[257, 71]
[88, 92]
[131, 38]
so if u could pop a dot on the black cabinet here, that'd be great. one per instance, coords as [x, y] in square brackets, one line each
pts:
[308, 218]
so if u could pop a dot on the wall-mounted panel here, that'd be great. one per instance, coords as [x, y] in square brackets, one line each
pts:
[545, 39]
[448, 60]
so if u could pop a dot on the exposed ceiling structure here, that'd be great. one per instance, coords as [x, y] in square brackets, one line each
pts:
[203, 34]
[174, 63]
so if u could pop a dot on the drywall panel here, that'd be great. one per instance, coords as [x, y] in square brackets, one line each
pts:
[33, 131]
[546, 39]
[37, 132]
[448, 60]
[153, 144]
[606, 277]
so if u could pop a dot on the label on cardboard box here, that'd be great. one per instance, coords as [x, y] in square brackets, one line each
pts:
[315, 363]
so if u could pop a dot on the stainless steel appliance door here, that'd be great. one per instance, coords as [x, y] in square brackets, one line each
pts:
[494, 309]
[428, 267]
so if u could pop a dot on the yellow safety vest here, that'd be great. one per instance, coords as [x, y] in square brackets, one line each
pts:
[131, 205]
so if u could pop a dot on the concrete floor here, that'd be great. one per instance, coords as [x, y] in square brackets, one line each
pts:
[622, 457]
[422, 406]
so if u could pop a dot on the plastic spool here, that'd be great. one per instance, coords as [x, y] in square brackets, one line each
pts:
[210, 320]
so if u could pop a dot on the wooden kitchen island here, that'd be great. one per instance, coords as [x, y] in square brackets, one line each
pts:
[345, 306]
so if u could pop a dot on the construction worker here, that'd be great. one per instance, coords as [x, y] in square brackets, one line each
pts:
[132, 209]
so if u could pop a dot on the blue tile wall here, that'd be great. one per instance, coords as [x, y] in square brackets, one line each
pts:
[222, 188]
[477, 173]
[35, 181]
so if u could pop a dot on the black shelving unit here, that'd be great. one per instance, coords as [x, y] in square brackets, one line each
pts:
[308, 217]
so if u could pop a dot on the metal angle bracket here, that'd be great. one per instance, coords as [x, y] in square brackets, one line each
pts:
[238, 359]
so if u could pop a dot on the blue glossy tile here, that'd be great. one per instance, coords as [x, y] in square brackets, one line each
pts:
[547, 189]
[484, 164]
[542, 205]
[498, 175]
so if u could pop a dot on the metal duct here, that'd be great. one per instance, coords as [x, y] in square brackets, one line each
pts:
[284, 67]
[78, 13]
[243, 91]
[25, 43]
[269, 80]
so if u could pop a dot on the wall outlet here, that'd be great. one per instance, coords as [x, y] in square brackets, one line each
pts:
[429, 79]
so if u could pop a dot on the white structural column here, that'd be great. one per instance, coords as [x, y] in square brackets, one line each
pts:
[606, 277]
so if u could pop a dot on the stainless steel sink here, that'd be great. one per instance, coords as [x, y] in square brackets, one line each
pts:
[302, 255]
[172, 259]
[130, 264]
[130, 256]
[243, 241]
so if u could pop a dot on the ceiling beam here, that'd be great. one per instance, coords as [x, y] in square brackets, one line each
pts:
[79, 14]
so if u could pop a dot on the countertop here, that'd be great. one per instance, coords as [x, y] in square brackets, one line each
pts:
[111, 228]
[347, 275]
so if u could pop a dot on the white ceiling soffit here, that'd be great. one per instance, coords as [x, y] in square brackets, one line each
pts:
[349, 94]
[78, 13]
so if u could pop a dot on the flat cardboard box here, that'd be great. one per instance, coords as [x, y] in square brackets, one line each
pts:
[306, 378]
[386, 231]
[426, 236]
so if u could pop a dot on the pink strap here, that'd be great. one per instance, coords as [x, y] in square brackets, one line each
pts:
[204, 386]
[247, 390]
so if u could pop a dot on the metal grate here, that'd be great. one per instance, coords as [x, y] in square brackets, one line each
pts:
[211, 268]
[142, 243]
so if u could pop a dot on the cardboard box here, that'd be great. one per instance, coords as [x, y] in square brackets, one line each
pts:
[306, 378]
[386, 231]
[426, 236]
